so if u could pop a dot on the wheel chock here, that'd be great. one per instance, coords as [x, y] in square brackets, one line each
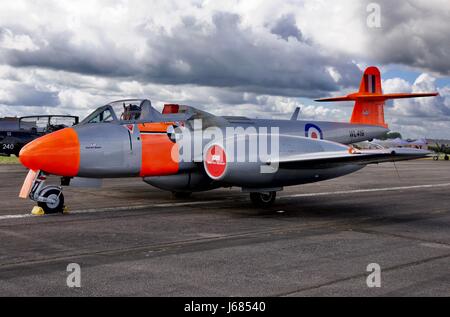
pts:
[66, 210]
[37, 211]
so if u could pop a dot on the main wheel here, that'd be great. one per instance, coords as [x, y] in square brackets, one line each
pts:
[53, 207]
[446, 157]
[181, 195]
[263, 199]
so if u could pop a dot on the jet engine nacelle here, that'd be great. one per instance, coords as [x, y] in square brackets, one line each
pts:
[245, 174]
[189, 181]
[238, 164]
[257, 166]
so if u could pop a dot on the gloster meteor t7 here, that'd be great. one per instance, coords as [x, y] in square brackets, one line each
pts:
[175, 151]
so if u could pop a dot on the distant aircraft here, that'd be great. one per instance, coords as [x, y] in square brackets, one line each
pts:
[398, 142]
[16, 132]
[175, 151]
[441, 149]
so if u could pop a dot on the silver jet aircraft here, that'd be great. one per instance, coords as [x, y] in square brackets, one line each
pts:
[184, 150]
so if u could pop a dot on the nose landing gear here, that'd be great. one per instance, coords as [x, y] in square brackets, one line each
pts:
[50, 198]
[52, 201]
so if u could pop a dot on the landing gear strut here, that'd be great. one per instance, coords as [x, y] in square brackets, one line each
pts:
[263, 199]
[50, 198]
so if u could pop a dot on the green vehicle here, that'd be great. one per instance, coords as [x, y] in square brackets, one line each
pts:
[441, 149]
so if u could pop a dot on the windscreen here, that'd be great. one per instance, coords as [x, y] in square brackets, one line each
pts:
[102, 114]
[123, 110]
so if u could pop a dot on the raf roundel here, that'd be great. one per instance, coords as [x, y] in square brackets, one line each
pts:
[313, 131]
[215, 161]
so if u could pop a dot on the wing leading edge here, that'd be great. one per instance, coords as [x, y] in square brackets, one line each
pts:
[326, 159]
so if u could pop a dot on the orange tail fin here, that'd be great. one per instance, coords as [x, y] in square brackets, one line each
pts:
[370, 100]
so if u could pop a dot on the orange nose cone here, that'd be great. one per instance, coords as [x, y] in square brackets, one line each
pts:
[57, 153]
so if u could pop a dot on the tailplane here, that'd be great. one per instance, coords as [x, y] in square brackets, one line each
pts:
[370, 100]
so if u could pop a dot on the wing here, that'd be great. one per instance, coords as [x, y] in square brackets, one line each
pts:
[327, 159]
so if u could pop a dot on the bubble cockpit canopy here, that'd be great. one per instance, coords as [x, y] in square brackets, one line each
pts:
[141, 110]
[129, 110]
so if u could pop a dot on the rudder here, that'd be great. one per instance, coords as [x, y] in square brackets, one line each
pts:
[369, 112]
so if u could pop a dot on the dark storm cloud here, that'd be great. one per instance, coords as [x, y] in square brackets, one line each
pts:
[286, 27]
[223, 53]
[26, 95]
[57, 51]
[229, 55]
[412, 33]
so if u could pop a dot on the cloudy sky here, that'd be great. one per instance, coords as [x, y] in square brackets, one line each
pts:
[255, 58]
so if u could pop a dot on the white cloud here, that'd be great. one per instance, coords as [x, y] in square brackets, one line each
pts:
[395, 85]
[17, 42]
[419, 117]
[247, 57]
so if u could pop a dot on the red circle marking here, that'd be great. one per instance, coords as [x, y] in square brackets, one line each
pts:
[215, 161]
[314, 135]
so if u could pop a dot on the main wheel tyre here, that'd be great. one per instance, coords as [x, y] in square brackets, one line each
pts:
[53, 207]
[446, 157]
[263, 199]
[181, 195]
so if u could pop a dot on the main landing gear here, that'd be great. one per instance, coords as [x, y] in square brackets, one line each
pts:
[50, 198]
[263, 199]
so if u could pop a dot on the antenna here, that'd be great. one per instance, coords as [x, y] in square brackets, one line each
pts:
[396, 169]
[295, 114]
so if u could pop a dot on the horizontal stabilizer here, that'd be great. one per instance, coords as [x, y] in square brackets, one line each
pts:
[414, 95]
[377, 97]
[343, 98]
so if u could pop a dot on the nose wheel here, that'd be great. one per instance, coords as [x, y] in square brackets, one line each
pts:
[49, 197]
[52, 201]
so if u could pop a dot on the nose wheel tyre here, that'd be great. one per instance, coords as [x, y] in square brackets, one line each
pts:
[263, 199]
[55, 203]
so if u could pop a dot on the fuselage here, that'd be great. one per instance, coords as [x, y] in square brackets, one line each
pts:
[147, 149]
[339, 132]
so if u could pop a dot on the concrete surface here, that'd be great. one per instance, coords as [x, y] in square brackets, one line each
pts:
[132, 239]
